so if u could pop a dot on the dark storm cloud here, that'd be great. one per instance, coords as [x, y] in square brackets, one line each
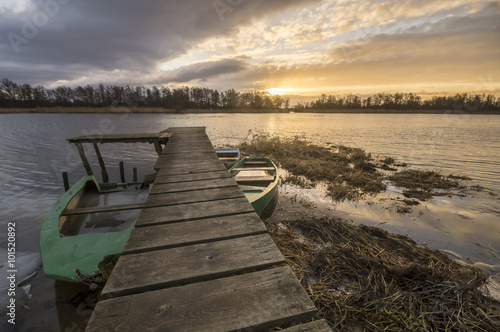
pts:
[204, 70]
[65, 39]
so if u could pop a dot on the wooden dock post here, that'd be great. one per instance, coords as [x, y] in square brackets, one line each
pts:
[158, 148]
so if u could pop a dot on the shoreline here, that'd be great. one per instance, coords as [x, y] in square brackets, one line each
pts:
[157, 110]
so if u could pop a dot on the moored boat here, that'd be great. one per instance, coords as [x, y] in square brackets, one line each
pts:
[258, 179]
[89, 221]
[92, 221]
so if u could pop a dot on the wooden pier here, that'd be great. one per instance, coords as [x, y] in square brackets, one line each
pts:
[200, 259]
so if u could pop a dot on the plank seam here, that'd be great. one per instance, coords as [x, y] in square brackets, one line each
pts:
[191, 280]
[195, 189]
[185, 244]
[155, 223]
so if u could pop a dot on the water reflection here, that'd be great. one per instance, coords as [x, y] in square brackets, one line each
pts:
[466, 228]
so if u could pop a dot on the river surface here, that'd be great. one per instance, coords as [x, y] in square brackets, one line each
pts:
[34, 152]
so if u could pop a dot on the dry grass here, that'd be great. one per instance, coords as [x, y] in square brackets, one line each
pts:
[363, 278]
[349, 173]
[423, 184]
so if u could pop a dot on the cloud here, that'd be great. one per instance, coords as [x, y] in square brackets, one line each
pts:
[203, 70]
[116, 34]
[257, 44]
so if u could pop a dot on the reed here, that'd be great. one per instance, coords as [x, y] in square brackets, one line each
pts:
[350, 173]
[364, 279]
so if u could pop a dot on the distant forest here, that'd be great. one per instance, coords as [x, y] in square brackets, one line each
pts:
[13, 95]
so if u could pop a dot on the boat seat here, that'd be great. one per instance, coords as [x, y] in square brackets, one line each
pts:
[99, 209]
[256, 162]
[254, 179]
[254, 169]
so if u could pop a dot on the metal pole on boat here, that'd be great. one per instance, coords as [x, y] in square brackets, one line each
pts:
[135, 174]
[104, 173]
[85, 161]
[65, 180]
[122, 171]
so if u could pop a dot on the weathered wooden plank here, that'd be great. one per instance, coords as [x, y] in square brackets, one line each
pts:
[153, 270]
[191, 168]
[191, 177]
[189, 148]
[190, 142]
[193, 232]
[203, 195]
[194, 185]
[97, 209]
[187, 144]
[186, 135]
[193, 211]
[188, 162]
[252, 302]
[185, 129]
[191, 151]
[182, 138]
[121, 138]
[316, 326]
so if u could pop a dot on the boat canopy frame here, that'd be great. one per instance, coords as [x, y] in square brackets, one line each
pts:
[158, 139]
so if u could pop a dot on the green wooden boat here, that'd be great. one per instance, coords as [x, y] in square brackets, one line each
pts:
[92, 221]
[258, 179]
[89, 221]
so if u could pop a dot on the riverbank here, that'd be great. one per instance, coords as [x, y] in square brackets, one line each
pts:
[363, 277]
[156, 110]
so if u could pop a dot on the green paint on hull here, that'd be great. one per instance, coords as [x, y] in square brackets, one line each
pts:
[62, 255]
[263, 198]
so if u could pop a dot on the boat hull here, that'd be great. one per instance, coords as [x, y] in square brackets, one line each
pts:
[62, 256]
[263, 194]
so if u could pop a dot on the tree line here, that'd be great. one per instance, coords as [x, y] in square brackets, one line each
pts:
[13, 95]
[26, 96]
[406, 101]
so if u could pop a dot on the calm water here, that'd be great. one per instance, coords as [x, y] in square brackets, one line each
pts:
[33, 153]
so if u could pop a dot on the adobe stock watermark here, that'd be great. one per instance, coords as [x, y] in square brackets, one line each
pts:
[11, 272]
[224, 7]
[31, 25]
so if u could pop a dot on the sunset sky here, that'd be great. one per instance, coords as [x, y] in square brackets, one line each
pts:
[304, 47]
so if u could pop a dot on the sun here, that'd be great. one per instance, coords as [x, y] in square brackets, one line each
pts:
[277, 91]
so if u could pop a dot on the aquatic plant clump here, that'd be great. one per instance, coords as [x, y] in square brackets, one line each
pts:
[348, 172]
[422, 184]
[363, 278]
